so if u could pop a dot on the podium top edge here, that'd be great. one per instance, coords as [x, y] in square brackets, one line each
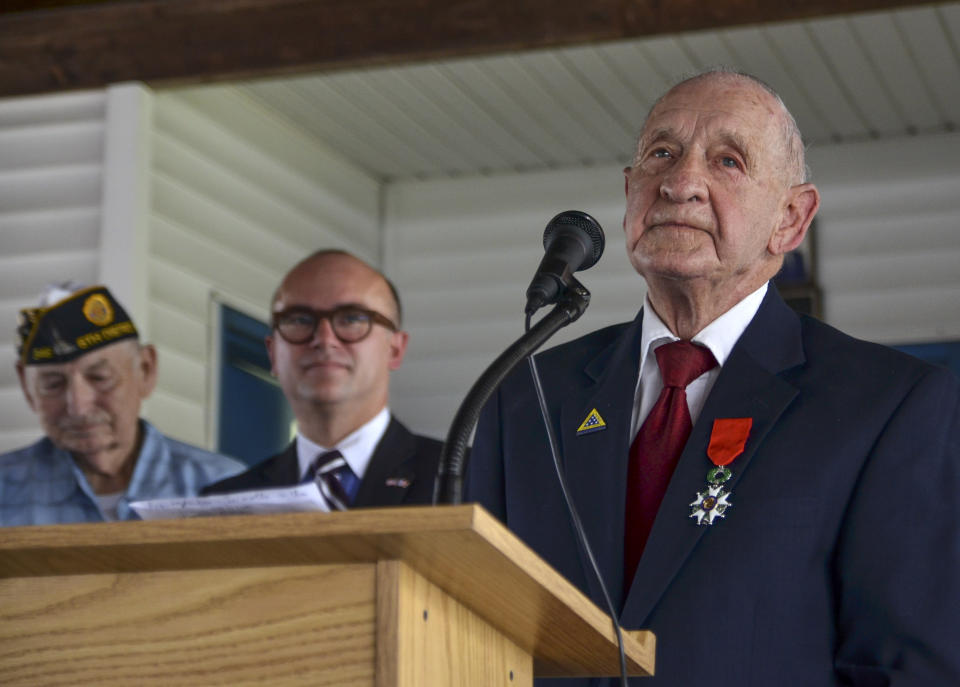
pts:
[463, 549]
[246, 527]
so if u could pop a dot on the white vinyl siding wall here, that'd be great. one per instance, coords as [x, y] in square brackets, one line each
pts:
[204, 195]
[890, 238]
[237, 197]
[51, 166]
[463, 253]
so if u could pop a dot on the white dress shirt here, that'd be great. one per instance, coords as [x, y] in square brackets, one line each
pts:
[719, 336]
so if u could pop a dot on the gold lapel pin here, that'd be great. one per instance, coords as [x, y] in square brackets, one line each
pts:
[592, 423]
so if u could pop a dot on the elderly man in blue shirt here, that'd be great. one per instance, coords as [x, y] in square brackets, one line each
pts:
[85, 373]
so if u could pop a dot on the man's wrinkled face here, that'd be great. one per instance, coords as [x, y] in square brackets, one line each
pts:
[91, 405]
[709, 185]
[325, 370]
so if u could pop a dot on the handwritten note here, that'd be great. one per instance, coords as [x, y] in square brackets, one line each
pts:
[284, 500]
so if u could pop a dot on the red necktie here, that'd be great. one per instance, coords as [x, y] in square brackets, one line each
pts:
[658, 445]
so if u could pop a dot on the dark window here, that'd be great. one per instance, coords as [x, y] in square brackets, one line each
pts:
[255, 420]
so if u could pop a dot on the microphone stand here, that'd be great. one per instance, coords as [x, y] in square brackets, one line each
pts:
[448, 488]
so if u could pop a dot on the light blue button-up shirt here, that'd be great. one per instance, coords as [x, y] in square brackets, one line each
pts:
[42, 485]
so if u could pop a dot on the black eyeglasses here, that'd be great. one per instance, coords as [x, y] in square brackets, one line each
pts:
[350, 323]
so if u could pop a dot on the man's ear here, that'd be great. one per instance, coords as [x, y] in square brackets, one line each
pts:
[22, 376]
[147, 367]
[398, 348]
[802, 203]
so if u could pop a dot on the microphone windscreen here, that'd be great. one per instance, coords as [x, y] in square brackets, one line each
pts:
[585, 226]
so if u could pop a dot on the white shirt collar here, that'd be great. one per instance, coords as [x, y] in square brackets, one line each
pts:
[719, 336]
[357, 448]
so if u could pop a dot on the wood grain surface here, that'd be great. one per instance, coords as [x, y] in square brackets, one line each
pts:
[461, 549]
[286, 625]
[426, 638]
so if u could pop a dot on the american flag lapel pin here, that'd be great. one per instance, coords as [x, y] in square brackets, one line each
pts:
[592, 423]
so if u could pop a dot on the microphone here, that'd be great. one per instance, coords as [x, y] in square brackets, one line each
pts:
[573, 241]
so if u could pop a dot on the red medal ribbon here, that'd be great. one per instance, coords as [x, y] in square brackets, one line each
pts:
[728, 438]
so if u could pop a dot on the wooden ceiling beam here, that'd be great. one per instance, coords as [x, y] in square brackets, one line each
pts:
[66, 44]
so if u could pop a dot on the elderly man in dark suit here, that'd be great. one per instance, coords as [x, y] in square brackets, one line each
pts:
[336, 337]
[777, 501]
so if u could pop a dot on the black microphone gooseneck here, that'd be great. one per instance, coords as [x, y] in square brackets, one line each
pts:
[449, 484]
[573, 240]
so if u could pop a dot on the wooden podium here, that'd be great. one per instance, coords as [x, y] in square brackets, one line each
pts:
[400, 597]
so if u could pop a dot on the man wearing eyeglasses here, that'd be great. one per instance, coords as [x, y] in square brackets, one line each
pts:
[335, 339]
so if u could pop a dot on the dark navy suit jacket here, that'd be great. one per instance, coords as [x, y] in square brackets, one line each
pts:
[838, 562]
[401, 471]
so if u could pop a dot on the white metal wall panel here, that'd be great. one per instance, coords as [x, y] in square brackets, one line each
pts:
[502, 119]
[451, 137]
[932, 39]
[890, 249]
[843, 47]
[51, 163]
[463, 252]
[237, 196]
[311, 108]
[250, 150]
[56, 108]
[123, 225]
[31, 232]
[901, 77]
[846, 79]
[545, 116]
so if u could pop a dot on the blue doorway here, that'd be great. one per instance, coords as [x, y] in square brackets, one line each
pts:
[254, 419]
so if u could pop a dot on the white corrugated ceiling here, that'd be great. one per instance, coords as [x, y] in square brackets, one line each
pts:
[845, 78]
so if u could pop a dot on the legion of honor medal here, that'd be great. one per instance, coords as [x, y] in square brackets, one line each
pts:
[727, 441]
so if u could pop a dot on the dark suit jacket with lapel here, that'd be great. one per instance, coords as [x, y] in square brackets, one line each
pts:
[838, 562]
[401, 471]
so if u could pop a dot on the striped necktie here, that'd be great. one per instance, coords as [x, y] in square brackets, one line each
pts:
[336, 481]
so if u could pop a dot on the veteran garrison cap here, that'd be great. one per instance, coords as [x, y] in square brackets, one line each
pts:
[72, 326]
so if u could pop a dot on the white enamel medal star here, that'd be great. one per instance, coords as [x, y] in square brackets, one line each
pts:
[710, 504]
